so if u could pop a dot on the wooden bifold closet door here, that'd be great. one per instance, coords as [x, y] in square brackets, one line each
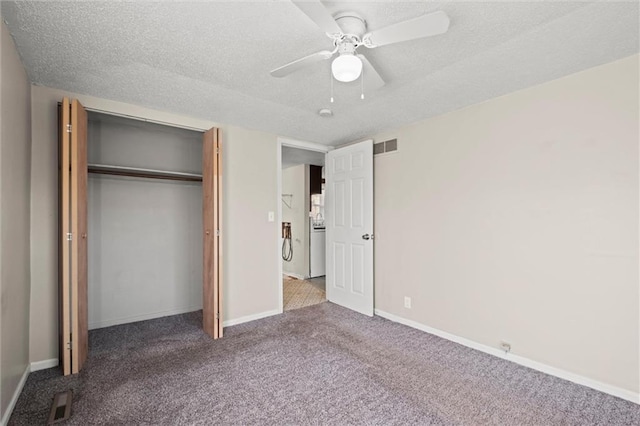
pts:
[212, 238]
[74, 330]
[73, 271]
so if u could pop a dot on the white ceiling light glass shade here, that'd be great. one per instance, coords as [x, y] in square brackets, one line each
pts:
[346, 67]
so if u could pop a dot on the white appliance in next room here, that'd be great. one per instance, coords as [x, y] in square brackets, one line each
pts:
[317, 252]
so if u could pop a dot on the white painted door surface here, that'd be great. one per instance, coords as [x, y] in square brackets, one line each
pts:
[349, 226]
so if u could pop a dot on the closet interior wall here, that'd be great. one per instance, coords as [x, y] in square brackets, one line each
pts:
[145, 247]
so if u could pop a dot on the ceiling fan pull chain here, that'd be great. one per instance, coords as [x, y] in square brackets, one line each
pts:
[331, 78]
[362, 84]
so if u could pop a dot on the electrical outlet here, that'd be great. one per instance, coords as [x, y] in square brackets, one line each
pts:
[505, 346]
[407, 302]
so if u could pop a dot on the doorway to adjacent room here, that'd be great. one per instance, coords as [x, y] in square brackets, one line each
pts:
[328, 225]
[303, 227]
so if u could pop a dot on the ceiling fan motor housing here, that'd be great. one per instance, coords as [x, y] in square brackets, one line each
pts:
[347, 48]
[351, 24]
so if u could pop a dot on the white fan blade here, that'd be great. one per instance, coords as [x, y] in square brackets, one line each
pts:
[422, 26]
[370, 73]
[320, 15]
[301, 63]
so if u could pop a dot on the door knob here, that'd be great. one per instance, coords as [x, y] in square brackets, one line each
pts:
[367, 237]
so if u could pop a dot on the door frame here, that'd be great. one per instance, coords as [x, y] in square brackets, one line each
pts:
[292, 143]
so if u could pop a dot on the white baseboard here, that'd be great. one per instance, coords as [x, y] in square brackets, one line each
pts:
[143, 317]
[43, 365]
[297, 276]
[553, 371]
[16, 394]
[248, 318]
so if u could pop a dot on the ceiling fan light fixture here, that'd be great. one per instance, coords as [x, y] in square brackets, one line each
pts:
[346, 67]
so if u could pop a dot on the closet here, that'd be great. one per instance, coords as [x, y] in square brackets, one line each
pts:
[140, 224]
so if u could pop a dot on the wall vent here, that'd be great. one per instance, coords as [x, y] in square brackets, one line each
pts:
[378, 148]
[386, 146]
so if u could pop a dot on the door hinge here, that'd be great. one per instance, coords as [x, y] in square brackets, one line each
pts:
[217, 315]
[217, 232]
[69, 342]
[217, 150]
[69, 236]
[68, 128]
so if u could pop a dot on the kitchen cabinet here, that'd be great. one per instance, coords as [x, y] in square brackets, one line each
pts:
[315, 179]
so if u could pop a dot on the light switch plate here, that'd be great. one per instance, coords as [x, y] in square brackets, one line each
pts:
[271, 216]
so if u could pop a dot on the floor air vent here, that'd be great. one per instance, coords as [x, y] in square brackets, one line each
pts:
[61, 408]
[386, 146]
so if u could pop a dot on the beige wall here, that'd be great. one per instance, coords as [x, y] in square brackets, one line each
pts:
[517, 220]
[250, 277]
[295, 181]
[251, 274]
[15, 151]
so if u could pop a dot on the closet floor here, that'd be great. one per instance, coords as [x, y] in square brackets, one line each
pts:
[302, 293]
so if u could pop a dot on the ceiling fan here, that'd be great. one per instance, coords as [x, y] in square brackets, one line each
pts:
[348, 32]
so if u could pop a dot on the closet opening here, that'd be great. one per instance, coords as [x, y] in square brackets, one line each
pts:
[140, 225]
[144, 215]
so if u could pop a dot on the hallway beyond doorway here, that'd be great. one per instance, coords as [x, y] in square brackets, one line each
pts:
[301, 293]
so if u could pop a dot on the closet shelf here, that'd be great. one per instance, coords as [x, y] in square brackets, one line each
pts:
[105, 169]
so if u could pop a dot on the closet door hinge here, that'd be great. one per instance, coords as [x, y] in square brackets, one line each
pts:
[68, 128]
[69, 343]
[69, 236]
[217, 315]
[217, 232]
[217, 150]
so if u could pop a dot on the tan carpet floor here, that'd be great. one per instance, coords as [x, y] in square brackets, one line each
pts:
[302, 293]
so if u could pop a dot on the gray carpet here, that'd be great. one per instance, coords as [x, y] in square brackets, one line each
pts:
[317, 365]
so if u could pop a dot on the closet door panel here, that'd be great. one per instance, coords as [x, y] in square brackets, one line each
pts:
[79, 302]
[65, 230]
[212, 316]
[218, 190]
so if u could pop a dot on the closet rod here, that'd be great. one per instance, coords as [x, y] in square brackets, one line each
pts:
[142, 173]
[147, 120]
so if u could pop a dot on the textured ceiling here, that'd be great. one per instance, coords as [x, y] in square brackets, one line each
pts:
[212, 59]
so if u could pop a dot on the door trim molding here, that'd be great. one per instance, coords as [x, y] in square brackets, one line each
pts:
[309, 146]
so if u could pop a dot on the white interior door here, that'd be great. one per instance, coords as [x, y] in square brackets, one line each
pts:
[349, 226]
